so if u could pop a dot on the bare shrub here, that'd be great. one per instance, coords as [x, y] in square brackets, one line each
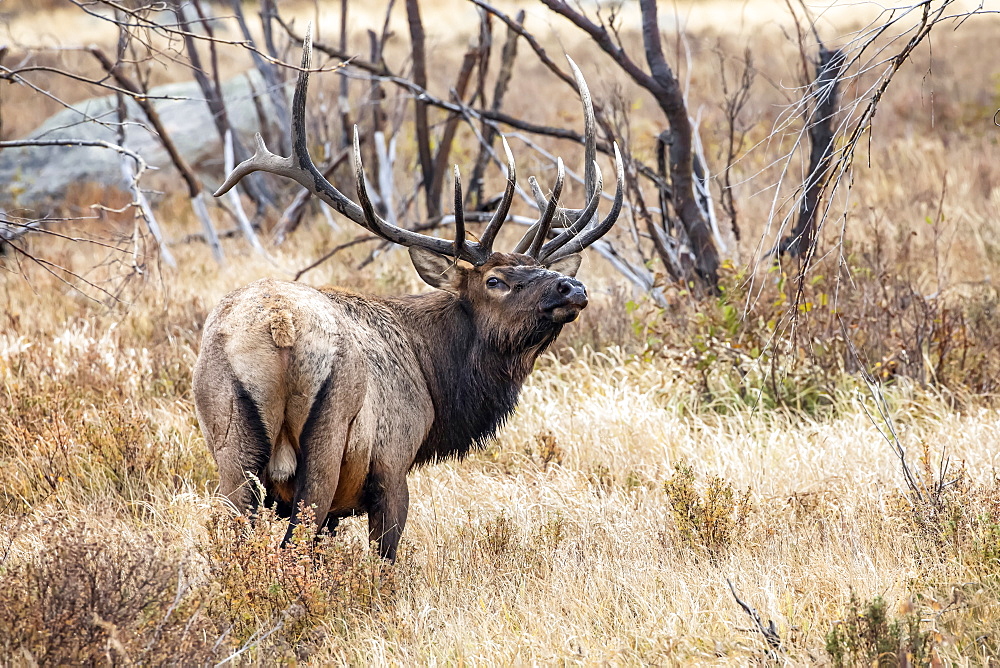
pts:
[284, 603]
[85, 599]
[958, 520]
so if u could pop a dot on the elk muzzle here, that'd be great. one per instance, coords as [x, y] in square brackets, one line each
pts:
[565, 301]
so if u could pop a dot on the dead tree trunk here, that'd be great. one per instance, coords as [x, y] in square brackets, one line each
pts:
[668, 94]
[803, 236]
[420, 106]
[451, 126]
[212, 89]
[661, 83]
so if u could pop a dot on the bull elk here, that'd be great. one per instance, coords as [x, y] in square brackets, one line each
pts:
[328, 397]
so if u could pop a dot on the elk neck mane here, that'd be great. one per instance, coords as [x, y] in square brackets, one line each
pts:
[474, 379]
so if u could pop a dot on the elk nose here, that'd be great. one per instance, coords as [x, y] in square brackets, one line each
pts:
[572, 291]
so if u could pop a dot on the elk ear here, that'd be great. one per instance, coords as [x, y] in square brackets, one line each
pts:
[437, 271]
[568, 266]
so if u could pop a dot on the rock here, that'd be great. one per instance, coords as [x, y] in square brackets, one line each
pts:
[33, 175]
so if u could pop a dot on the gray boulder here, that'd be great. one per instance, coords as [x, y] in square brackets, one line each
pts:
[33, 175]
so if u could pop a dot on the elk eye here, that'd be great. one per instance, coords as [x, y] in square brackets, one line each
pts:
[494, 282]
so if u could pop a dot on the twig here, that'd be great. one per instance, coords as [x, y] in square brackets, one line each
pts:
[98, 143]
[770, 631]
[51, 268]
[882, 407]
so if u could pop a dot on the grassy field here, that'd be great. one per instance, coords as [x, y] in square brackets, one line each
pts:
[651, 461]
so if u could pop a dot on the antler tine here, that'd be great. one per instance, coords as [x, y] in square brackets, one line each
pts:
[262, 160]
[292, 167]
[532, 240]
[580, 223]
[591, 171]
[490, 233]
[375, 223]
[459, 216]
[582, 233]
[592, 234]
[542, 202]
[593, 184]
[371, 218]
[545, 222]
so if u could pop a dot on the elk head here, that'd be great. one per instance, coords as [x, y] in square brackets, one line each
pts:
[517, 304]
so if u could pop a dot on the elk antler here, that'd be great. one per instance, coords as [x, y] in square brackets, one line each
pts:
[582, 232]
[569, 241]
[300, 168]
[533, 238]
[490, 234]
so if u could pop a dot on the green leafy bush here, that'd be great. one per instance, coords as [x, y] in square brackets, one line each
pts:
[867, 636]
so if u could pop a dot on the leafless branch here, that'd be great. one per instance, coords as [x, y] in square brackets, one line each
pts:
[770, 631]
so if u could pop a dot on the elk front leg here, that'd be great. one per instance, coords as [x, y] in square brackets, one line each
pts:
[388, 500]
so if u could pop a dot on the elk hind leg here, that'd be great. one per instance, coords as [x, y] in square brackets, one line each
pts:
[321, 449]
[238, 438]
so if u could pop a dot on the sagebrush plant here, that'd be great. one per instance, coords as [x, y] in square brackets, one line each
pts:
[711, 519]
[295, 593]
[792, 342]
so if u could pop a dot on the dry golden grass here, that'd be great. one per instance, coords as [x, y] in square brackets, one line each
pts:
[636, 476]
[592, 531]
